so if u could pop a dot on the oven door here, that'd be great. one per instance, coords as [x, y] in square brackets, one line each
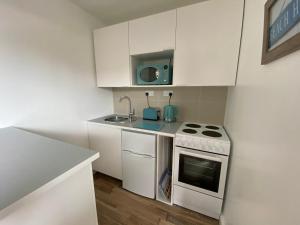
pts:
[200, 171]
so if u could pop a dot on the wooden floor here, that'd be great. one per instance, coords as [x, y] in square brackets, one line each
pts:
[117, 206]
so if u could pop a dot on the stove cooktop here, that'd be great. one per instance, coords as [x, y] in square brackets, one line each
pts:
[203, 130]
[206, 137]
[193, 125]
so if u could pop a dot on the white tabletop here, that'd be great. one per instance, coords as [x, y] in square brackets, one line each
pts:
[29, 161]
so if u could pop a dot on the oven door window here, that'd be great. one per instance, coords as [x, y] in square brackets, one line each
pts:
[149, 74]
[199, 172]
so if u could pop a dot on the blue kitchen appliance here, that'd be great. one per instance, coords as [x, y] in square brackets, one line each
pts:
[154, 74]
[170, 111]
[151, 113]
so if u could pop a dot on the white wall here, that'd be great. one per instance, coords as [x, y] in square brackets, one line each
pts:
[47, 77]
[263, 120]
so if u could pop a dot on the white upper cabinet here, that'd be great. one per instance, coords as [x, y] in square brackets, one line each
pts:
[112, 56]
[207, 43]
[153, 33]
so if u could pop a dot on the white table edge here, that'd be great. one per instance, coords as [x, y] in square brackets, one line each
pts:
[9, 209]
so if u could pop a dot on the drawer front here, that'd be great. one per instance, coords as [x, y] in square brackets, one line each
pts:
[140, 143]
[198, 202]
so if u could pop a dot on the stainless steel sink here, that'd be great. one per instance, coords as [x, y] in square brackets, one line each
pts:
[116, 119]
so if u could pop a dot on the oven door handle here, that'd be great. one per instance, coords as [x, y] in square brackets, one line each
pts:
[203, 156]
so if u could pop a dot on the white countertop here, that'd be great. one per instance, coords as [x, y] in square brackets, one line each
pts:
[168, 129]
[29, 162]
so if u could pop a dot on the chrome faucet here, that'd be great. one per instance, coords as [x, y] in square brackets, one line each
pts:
[131, 111]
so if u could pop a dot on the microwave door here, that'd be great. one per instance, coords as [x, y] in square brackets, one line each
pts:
[149, 74]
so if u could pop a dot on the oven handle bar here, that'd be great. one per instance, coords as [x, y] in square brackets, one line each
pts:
[200, 155]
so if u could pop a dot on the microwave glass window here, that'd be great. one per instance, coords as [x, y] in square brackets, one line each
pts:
[199, 172]
[149, 74]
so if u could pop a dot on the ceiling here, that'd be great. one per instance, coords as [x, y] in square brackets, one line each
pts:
[115, 11]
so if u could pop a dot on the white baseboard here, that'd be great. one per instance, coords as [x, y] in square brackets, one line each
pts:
[222, 220]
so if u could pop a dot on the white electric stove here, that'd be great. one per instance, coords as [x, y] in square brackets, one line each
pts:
[204, 137]
[201, 160]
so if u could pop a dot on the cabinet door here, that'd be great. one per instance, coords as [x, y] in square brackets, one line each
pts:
[139, 174]
[112, 56]
[139, 143]
[107, 141]
[152, 33]
[207, 43]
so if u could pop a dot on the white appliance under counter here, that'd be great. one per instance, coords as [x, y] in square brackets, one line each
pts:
[139, 163]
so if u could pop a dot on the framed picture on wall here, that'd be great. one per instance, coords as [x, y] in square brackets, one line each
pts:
[281, 29]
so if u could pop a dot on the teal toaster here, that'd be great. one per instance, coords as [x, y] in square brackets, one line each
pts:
[151, 113]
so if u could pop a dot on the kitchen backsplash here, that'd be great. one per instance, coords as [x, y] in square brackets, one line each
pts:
[199, 104]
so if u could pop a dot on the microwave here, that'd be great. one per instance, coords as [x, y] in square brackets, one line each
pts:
[154, 74]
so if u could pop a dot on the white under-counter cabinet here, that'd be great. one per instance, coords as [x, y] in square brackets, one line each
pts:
[207, 43]
[107, 141]
[153, 33]
[139, 162]
[112, 56]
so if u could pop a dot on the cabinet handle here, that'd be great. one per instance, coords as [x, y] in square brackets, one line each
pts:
[139, 155]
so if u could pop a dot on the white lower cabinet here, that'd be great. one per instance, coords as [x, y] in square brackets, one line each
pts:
[107, 141]
[197, 201]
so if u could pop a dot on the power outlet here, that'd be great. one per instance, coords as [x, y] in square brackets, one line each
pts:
[166, 93]
[150, 93]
